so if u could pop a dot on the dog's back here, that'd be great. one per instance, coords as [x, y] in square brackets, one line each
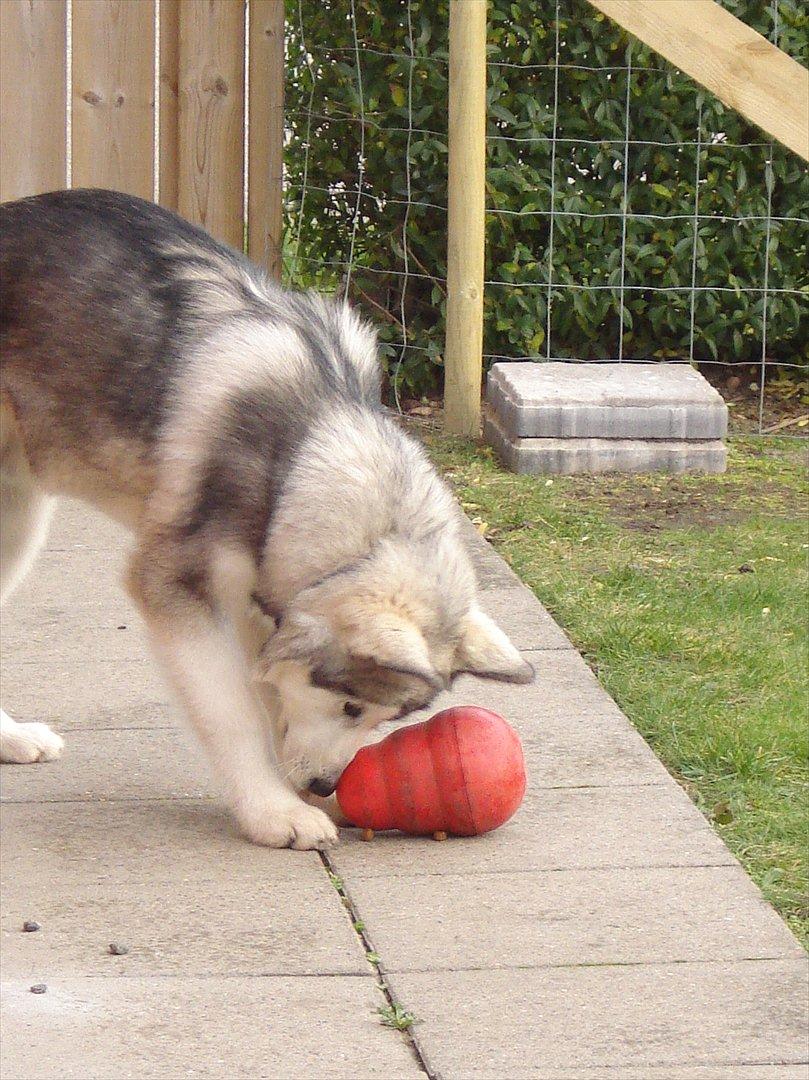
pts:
[109, 304]
[286, 527]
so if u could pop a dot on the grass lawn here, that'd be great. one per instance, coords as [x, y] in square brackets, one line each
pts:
[688, 596]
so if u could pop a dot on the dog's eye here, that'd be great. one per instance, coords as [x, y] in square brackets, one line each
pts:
[352, 710]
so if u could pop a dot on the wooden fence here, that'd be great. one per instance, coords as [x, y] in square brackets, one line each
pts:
[151, 97]
[157, 98]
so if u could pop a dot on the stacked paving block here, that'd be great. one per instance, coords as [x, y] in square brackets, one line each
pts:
[612, 417]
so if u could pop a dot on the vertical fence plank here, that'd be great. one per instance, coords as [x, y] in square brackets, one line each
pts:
[113, 95]
[265, 162]
[169, 76]
[466, 215]
[32, 96]
[211, 117]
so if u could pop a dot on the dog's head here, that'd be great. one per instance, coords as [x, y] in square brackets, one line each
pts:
[370, 644]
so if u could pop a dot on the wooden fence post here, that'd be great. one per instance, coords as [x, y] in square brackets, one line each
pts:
[466, 216]
[211, 117]
[265, 161]
[169, 79]
[32, 97]
[113, 95]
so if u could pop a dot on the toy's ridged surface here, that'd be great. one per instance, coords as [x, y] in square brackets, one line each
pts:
[460, 772]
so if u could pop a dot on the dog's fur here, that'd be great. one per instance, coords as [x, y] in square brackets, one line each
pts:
[298, 562]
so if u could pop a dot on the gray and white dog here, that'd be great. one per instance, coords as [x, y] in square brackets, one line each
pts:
[297, 560]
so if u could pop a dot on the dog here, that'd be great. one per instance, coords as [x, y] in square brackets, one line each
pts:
[298, 562]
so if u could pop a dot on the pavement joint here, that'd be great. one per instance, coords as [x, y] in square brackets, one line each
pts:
[539, 966]
[374, 960]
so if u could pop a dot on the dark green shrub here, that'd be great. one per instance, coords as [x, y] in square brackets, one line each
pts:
[588, 180]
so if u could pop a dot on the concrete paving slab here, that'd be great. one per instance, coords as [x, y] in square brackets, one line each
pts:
[162, 1029]
[606, 401]
[58, 584]
[643, 915]
[566, 457]
[165, 841]
[564, 828]
[530, 625]
[684, 1072]
[41, 645]
[487, 1025]
[564, 688]
[132, 763]
[492, 571]
[573, 733]
[204, 926]
[549, 887]
[96, 694]
[78, 527]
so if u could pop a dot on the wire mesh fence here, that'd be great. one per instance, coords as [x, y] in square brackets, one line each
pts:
[630, 216]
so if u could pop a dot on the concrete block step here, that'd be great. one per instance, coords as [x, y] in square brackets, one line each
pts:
[605, 401]
[598, 455]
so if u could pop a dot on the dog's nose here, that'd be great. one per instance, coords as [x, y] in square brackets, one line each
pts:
[322, 786]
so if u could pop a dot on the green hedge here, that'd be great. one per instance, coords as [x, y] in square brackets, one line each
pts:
[324, 151]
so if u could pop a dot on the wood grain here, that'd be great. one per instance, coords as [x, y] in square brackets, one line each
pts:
[727, 57]
[32, 97]
[113, 95]
[466, 216]
[265, 162]
[169, 79]
[211, 117]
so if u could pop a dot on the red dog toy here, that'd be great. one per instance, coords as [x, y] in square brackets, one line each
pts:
[460, 772]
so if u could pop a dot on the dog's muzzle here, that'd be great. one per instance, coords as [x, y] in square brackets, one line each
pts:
[322, 786]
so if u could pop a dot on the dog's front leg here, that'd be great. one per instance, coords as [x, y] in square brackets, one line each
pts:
[205, 665]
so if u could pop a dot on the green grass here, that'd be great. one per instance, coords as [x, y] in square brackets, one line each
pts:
[688, 597]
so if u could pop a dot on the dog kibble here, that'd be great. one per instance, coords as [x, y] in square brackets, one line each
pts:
[367, 834]
[440, 835]
[118, 950]
[39, 988]
[30, 927]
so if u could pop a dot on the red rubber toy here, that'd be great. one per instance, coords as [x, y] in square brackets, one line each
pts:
[460, 772]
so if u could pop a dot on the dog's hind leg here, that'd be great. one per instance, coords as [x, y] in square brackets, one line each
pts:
[25, 513]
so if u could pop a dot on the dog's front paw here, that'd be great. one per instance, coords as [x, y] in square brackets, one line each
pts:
[287, 823]
[23, 744]
[329, 806]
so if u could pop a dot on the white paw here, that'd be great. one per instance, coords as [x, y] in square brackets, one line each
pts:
[329, 806]
[288, 823]
[26, 743]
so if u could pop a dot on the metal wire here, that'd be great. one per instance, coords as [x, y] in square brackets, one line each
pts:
[361, 162]
[769, 180]
[308, 139]
[405, 253]
[624, 201]
[549, 298]
[374, 193]
[696, 241]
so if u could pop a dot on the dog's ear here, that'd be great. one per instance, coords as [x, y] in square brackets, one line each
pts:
[301, 637]
[485, 651]
[397, 646]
